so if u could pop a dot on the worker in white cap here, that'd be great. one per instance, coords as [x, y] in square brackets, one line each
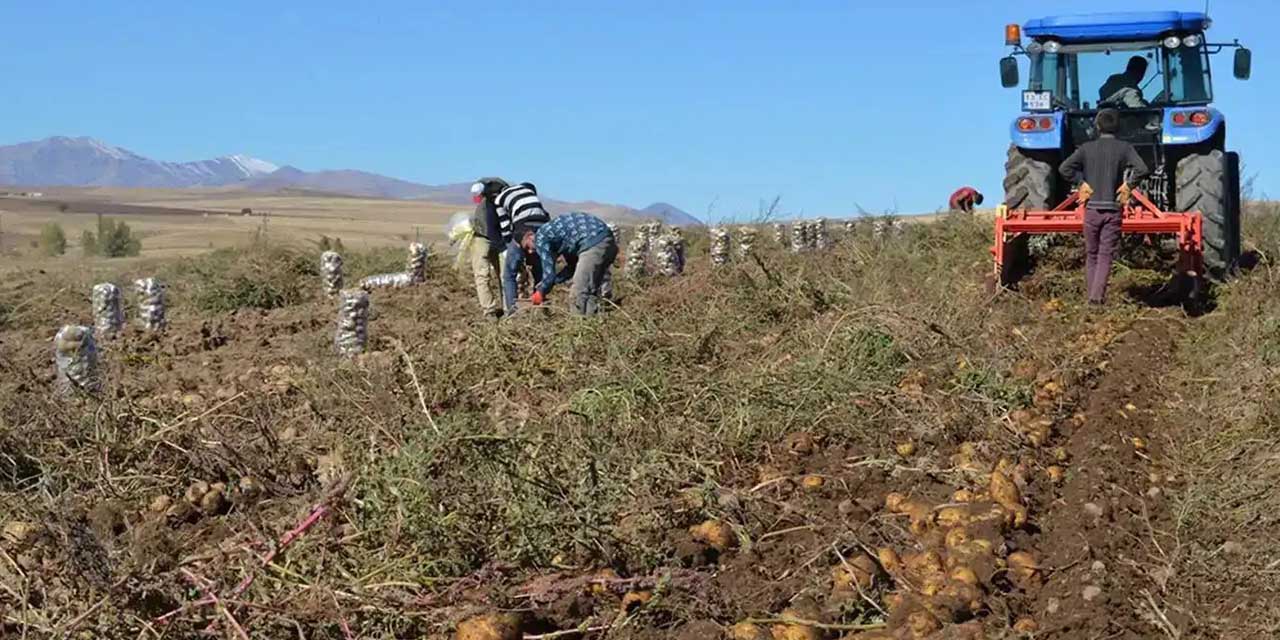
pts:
[488, 244]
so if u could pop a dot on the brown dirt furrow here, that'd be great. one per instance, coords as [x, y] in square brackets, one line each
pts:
[1102, 544]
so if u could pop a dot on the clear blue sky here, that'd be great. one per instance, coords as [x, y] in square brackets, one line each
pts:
[887, 104]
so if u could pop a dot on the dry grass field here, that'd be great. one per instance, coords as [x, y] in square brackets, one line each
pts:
[177, 223]
[854, 444]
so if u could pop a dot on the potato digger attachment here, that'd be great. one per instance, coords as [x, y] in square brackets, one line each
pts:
[1013, 228]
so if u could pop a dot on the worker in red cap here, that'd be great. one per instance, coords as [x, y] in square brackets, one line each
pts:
[964, 199]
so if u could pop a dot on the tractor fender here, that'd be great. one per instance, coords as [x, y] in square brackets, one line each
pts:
[1039, 138]
[1190, 134]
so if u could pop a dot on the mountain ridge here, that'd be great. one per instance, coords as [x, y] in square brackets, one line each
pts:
[89, 162]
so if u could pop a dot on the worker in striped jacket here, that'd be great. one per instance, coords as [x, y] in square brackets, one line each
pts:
[518, 205]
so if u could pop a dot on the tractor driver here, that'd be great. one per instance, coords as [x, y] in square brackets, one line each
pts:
[1125, 89]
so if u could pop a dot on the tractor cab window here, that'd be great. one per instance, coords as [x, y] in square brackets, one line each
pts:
[1044, 72]
[1189, 80]
[1122, 77]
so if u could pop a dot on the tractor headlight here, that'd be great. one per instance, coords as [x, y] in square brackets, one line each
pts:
[1192, 41]
[1172, 42]
[1035, 47]
[1052, 46]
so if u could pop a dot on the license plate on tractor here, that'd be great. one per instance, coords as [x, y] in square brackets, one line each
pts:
[1037, 101]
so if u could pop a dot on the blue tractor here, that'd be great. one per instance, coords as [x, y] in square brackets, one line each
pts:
[1154, 68]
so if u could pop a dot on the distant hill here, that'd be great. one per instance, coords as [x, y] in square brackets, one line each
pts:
[87, 162]
[346, 182]
[669, 214]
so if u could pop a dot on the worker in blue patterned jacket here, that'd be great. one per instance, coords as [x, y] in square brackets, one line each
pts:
[588, 248]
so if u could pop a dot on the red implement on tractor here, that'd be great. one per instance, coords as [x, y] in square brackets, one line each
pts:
[1140, 217]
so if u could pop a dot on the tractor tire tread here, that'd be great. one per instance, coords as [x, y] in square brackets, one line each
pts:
[1203, 185]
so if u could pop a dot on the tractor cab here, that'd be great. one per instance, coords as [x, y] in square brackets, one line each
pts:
[1154, 68]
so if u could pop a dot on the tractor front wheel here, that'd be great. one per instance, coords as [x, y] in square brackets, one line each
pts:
[1210, 183]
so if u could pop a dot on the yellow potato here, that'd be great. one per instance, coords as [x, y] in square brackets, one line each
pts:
[490, 627]
[962, 495]
[748, 631]
[933, 584]
[635, 600]
[894, 501]
[795, 632]
[957, 537]
[812, 483]
[906, 449]
[600, 581]
[953, 516]
[195, 492]
[1055, 474]
[1026, 625]
[922, 624]
[1023, 569]
[716, 534]
[889, 560]
[923, 564]
[964, 575]
[1004, 491]
[856, 575]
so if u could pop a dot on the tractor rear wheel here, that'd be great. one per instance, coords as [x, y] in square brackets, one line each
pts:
[1210, 183]
[1029, 180]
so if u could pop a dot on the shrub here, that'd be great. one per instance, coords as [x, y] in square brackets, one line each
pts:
[256, 278]
[325, 243]
[53, 240]
[89, 243]
[114, 240]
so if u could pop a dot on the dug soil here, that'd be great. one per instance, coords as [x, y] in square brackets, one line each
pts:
[1102, 535]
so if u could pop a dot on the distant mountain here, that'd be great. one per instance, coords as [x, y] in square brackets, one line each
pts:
[669, 214]
[62, 161]
[86, 162]
[345, 182]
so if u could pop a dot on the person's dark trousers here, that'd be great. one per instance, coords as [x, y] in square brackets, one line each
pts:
[1101, 240]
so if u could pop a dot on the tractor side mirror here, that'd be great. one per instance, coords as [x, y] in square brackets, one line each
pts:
[1009, 71]
[1243, 63]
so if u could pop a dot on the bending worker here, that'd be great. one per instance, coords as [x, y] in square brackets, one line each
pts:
[588, 248]
[964, 199]
[1098, 169]
[518, 205]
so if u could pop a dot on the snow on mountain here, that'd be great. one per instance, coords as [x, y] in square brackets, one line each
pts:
[86, 161]
[253, 166]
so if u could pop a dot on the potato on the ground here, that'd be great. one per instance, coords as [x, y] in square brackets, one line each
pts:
[857, 574]
[1024, 569]
[749, 631]
[635, 600]
[715, 534]
[492, 626]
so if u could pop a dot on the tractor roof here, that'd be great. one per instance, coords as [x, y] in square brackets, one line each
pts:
[1103, 27]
